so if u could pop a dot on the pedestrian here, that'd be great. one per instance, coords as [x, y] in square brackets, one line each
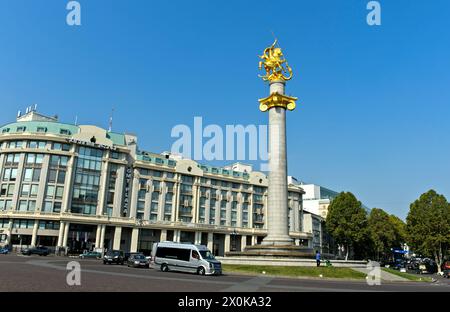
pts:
[318, 258]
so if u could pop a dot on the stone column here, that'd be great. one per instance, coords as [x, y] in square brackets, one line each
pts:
[61, 234]
[9, 231]
[176, 236]
[277, 210]
[35, 231]
[243, 242]
[66, 234]
[102, 237]
[227, 242]
[210, 241]
[117, 237]
[98, 236]
[163, 236]
[134, 240]
[198, 238]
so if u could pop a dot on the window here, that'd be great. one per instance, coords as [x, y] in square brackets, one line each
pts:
[60, 146]
[41, 129]
[29, 190]
[21, 129]
[49, 225]
[23, 205]
[141, 194]
[5, 130]
[34, 159]
[10, 174]
[58, 161]
[12, 159]
[23, 224]
[32, 174]
[37, 144]
[64, 132]
[115, 155]
[87, 180]
[7, 190]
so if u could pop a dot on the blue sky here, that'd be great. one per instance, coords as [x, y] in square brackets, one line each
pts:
[373, 105]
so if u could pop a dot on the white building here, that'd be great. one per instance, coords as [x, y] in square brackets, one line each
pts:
[78, 187]
[316, 198]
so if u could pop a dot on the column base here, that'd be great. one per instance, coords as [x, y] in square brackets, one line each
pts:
[281, 240]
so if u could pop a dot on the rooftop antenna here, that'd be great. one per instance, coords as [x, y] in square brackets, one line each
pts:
[35, 107]
[19, 113]
[111, 120]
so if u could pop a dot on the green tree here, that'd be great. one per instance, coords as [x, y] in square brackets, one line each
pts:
[428, 225]
[347, 221]
[382, 232]
[400, 231]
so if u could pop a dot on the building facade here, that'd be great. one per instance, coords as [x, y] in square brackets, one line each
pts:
[316, 199]
[81, 187]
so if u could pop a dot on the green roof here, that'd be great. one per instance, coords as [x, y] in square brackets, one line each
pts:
[32, 127]
[56, 128]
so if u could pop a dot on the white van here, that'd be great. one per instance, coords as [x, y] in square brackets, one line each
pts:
[185, 258]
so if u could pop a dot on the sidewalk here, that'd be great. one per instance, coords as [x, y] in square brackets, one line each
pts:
[385, 276]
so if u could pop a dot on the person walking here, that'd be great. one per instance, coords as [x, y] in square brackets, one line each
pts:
[318, 258]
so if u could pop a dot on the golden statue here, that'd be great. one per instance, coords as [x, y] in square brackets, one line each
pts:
[275, 64]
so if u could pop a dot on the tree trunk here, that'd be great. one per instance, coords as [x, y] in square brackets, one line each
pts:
[346, 253]
[439, 258]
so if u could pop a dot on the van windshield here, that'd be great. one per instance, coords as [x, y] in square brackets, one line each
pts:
[207, 255]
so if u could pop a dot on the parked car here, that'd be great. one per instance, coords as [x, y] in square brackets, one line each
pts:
[39, 250]
[413, 264]
[427, 266]
[137, 261]
[445, 266]
[446, 269]
[114, 256]
[91, 255]
[4, 251]
[129, 254]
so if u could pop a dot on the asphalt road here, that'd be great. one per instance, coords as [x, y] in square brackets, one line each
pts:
[34, 273]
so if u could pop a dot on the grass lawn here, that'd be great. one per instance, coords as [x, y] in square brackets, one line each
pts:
[326, 272]
[409, 276]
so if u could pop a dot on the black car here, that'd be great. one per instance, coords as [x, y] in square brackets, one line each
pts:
[137, 261]
[114, 256]
[40, 250]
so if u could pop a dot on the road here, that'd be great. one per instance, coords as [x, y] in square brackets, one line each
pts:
[34, 273]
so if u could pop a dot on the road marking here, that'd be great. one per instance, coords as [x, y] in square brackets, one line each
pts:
[252, 284]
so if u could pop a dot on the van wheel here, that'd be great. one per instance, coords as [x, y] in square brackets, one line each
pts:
[164, 267]
[201, 271]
